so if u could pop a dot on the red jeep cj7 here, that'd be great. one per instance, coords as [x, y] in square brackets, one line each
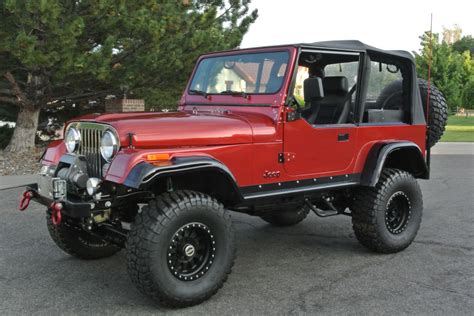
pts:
[276, 132]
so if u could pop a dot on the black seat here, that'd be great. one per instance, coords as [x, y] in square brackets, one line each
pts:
[313, 94]
[334, 108]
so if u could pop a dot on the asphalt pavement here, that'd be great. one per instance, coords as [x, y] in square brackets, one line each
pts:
[316, 267]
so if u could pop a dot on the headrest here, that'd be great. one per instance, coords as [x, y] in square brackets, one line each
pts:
[336, 85]
[316, 72]
[313, 89]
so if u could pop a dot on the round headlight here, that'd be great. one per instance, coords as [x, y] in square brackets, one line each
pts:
[72, 139]
[108, 145]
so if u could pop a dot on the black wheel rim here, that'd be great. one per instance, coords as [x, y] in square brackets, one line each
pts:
[397, 213]
[191, 251]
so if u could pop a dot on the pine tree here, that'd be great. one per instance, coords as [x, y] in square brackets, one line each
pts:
[54, 51]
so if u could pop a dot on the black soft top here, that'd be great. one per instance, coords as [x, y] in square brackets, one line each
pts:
[356, 45]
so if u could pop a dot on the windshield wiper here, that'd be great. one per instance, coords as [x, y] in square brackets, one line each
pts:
[235, 93]
[199, 92]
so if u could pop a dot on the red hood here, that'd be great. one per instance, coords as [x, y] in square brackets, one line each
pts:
[177, 129]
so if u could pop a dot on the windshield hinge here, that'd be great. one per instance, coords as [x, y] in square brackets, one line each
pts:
[286, 157]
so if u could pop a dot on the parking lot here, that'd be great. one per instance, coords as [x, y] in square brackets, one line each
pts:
[314, 267]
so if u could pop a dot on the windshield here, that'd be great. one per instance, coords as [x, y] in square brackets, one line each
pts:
[258, 73]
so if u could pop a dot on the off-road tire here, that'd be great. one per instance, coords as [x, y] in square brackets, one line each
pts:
[371, 217]
[438, 115]
[77, 242]
[152, 235]
[286, 216]
[391, 98]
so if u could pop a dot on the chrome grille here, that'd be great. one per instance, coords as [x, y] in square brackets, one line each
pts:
[89, 146]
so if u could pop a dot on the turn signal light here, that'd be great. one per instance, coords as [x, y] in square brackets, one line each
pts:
[158, 157]
[159, 160]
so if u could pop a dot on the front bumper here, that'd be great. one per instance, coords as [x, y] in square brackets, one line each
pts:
[76, 207]
[64, 186]
[71, 208]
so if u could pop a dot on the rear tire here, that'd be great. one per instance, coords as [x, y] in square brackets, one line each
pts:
[77, 242]
[181, 248]
[286, 217]
[386, 218]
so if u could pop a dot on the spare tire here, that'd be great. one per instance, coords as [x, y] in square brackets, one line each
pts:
[438, 115]
[391, 98]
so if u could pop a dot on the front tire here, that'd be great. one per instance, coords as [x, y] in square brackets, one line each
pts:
[181, 248]
[77, 242]
[386, 218]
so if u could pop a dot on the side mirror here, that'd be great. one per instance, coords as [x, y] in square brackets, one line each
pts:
[293, 115]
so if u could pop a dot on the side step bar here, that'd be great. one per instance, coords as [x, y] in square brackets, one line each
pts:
[333, 211]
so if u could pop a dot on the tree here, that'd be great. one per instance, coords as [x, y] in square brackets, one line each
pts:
[467, 80]
[55, 51]
[451, 71]
[464, 44]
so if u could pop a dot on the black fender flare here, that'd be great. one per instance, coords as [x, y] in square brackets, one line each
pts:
[380, 154]
[144, 175]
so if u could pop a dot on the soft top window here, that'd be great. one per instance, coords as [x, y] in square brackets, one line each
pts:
[388, 97]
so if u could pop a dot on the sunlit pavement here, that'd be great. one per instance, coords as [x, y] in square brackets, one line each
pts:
[460, 148]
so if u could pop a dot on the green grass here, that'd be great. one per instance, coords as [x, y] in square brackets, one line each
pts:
[461, 121]
[459, 129]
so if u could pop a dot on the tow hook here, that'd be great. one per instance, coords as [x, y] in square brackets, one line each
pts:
[56, 216]
[25, 200]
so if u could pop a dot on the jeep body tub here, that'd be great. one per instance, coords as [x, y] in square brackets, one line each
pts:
[274, 132]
